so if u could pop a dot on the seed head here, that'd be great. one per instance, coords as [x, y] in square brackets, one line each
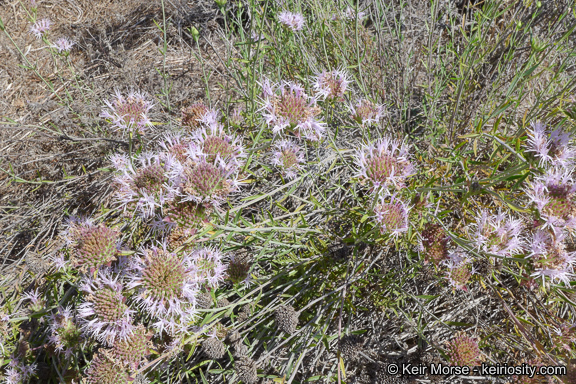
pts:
[246, 370]
[384, 163]
[332, 85]
[392, 215]
[40, 28]
[238, 270]
[129, 113]
[351, 346]
[286, 318]
[213, 348]
[92, 246]
[365, 112]
[464, 351]
[105, 370]
[208, 183]
[434, 243]
[193, 114]
[288, 157]
[292, 21]
[204, 300]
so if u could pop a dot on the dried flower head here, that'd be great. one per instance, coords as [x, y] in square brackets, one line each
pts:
[332, 85]
[554, 194]
[464, 351]
[288, 107]
[365, 112]
[104, 313]
[129, 113]
[459, 270]
[63, 45]
[553, 148]
[65, 334]
[497, 234]
[40, 28]
[92, 246]
[208, 183]
[434, 243]
[392, 215]
[166, 286]
[105, 370]
[286, 318]
[193, 115]
[238, 270]
[131, 352]
[246, 370]
[288, 157]
[146, 184]
[204, 300]
[214, 348]
[351, 346]
[550, 258]
[384, 163]
[292, 21]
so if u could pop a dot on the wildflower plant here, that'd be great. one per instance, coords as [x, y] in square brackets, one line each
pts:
[464, 351]
[332, 85]
[365, 112]
[65, 332]
[288, 157]
[41, 27]
[391, 214]
[129, 113]
[292, 21]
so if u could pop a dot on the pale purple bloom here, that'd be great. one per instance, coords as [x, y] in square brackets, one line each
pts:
[332, 85]
[553, 148]
[365, 112]
[59, 261]
[384, 163]
[554, 195]
[64, 331]
[33, 296]
[392, 215]
[289, 157]
[104, 313]
[287, 107]
[176, 146]
[459, 270]
[40, 27]
[208, 266]
[550, 257]
[212, 142]
[63, 44]
[18, 372]
[498, 234]
[293, 21]
[129, 113]
[351, 14]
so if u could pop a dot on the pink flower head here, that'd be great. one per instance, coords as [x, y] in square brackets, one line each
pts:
[350, 14]
[392, 215]
[132, 351]
[92, 246]
[36, 302]
[365, 112]
[144, 185]
[332, 85]
[40, 28]
[554, 194]
[498, 234]
[129, 113]
[384, 162]
[65, 334]
[104, 313]
[212, 142]
[63, 44]
[292, 21]
[289, 157]
[187, 215]
[288, 107]
[104, 369]
[208, 266]
[460, 269]
[464, 351]
[553, 148]
[550, 258]
[176, 146]
[166, 286]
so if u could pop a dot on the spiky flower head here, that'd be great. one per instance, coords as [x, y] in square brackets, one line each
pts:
[63, 45]
[40, 28]
[365, 112]
[238, 270]
[351, 346]
[246, 370]
[564, 338]
[104, 313]
[287, 107]
[554, 195]
[332, 85]
[208, 266]
[236, 118]
[498, 234]
[36, 302]
[288, 157]
[193, 115]
[550, 258]
[105, 370]
[552, 148]
[92, 246]
[145, 184]
[214, 348]
[65, 334]
[286, 318]
[18, 372]
[187, 215]
[459, 269]
[131, 352]
[208, 183]
[166, 286]
[176, 146]
[129, 113]
[292, 21]
[384, 162]
[434, 243]
[464, 351]
[212, 143]
[391, 214]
